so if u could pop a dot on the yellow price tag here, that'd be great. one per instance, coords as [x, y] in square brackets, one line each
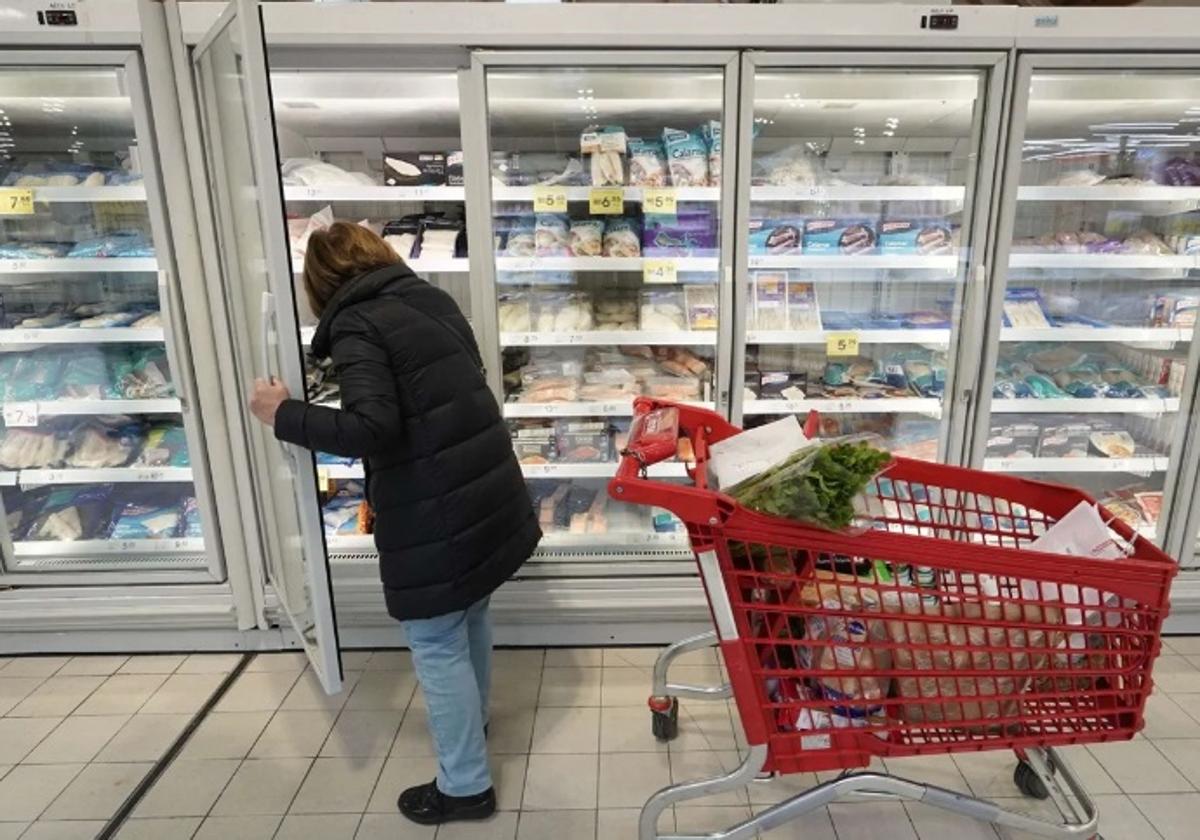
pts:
[841, 344]
[659, 271]
[549, 200]
[323, 479]
[606, 201]
[659, 201]
[14, 202]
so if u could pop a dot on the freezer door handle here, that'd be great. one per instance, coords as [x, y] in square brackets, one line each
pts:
[171, 329]
[264, 349]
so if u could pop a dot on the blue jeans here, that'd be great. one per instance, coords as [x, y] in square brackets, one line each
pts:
[453, 657]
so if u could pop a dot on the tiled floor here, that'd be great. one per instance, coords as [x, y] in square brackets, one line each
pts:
[573, 755]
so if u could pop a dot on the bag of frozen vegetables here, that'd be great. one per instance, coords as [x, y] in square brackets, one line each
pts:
[818, 484]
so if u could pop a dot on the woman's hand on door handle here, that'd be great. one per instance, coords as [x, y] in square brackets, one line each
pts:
[266, 398]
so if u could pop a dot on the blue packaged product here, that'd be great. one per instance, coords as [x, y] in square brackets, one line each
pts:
[915, 236]
[113, 245]
[146, 521]
[776, 236]
[687, 157]
[32, 250]
[327, 459]
[647, 163]
[190, 524]
[689, 233]
[842, 236]
[71, 513]
[711, 132]
[34, 377]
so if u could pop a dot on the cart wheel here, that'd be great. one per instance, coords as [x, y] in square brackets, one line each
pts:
[664, 718]
[1028, 781]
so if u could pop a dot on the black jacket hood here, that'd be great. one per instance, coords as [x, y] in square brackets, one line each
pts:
[362, 288]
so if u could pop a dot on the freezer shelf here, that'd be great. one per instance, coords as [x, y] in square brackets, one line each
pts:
[89, 548]
[374, 194]
[860, 194]
[631, 194]
[1148, 199]
[1139, 466]
[138, 475]
[895, 405]
[945, 263]
[115, 335]
[1104, 262]
[80, 265]
[1154, 405]
[88, 195]
[622, 408]
[1137, 335]
[599, 338]
[66, 408]
[933, 337]
[592, 264]
[604, 470]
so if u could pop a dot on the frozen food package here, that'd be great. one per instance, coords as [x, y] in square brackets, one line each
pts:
[440, 239]
[615, 309]
[515, 313]
[343, 512]
[29, 449]
[1151, 504]
[663, 309]
[109, 320]
[687, 157]
[701, 304]
[915, 236]
[309, 172]
[689, 233]
[1115, 443]
[711, 132]
[190, 524]
[605, 147]
[563, 312]
[551, 235]
[770, 300]
[583, 442]
[96, 445]
[1066, 440]
[586, 237]
[679, 361]
[123, 244]
[86, 375]
[32, 250]
[534, 441]
[144, 374]
[803, 313]
[777, 236]
[1023, 308]
[622, 237]
[521, 240]
[414, 169]
[143, 520]
[647, 163]
[165, 445]
[845, 236]
[71, 513]
[35, 376]
[454, 168]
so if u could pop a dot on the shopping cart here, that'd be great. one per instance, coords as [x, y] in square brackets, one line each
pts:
[937, 631]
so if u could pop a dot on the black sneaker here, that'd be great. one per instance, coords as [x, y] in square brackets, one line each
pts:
[427, 805]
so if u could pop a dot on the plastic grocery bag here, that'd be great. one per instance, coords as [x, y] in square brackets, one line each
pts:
[735, 459]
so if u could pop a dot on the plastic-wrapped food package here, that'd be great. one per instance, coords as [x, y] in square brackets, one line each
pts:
[71, 513]
[534, 441]
[344, 514]
[552, 236]
[1023, 308]
[28, 449]
[151, 320]
[440, 239]
[143, 374]
[789, 167]
[605, 147]
[1076, 178]
[309, 172]
[35, 376]
[97, 446]
[165, 445]
[711, 132]
[687, 157]
[86, 376]
[776, 236]
[614, 310]
[126, 244]
[32, 250]
[145, 520]
[1145, 242]
[515, 313]
[586, 238]
[845, 236]
[663, 309]
[1178, 172]
[803, 312]
[583, 442]
[622, 237]
[521, 241]
[299, 230]
[679, 361]
[564, 312]
[647, 163]
[109, 320]
[915, 236]
[48, 321]
[701, 307]
[770, 300]
[691, 232]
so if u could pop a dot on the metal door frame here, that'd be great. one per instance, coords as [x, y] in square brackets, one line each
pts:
[986, 136]
[130, 62]
[1027, 64]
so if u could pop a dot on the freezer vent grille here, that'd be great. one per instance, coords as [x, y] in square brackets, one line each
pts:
[115, 562]
[623, 555]
[354, 556]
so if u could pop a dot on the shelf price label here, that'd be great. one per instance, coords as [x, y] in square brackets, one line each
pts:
[15, 202]
[550, 200]
[323, 479]
[20, 414]
[659, 201]
[841, 344]
[659, 271]
[606, 201]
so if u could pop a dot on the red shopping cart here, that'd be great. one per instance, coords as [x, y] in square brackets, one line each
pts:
[936, 631]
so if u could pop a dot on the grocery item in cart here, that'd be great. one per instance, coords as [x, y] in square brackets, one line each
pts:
[842, 236]
[622, 237]
[647, 163]
[605, 147]
[687, 157]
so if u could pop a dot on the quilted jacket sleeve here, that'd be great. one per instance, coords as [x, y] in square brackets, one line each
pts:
[368, 422]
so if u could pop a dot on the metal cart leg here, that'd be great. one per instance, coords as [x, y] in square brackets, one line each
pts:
[871, 784]
[664, 697]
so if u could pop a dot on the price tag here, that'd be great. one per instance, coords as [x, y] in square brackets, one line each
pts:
[841, 344]
[15, 202]
[659, 201]
[659, 271]
[323, 479]
[149, 475]
[606, 201]
[20, 414]
[550, 200]
[818, 193]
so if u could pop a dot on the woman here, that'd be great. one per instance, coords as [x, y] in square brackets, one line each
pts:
[452, 518]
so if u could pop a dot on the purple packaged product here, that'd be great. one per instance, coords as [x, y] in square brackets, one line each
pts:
[690, 233]
[845, 236]
[915, 236]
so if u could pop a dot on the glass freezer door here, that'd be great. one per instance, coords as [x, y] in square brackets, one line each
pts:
[1092, 327]
[860, 234]
[230, 67]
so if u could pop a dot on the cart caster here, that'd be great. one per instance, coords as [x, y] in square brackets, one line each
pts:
[1029, 783]
[664, 718]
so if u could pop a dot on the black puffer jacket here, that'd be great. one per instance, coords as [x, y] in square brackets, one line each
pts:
[453, 520]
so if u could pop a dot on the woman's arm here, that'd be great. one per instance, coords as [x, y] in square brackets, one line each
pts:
[368, 422]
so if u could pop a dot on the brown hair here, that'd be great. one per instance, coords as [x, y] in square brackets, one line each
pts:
[338, 254]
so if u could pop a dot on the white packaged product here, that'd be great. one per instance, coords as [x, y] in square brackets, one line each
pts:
[663, 309]
[564, 312]
[586, 237]
[316, 173]
[514, 311]
[551, 235]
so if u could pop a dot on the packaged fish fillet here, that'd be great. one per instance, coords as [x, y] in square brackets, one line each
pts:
[146, 521]
[72, 513]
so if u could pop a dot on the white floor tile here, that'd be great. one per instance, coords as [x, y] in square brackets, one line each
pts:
[399, 774]
[1174, 816]
[188, 788]
[508, 777]
[77, 739]
[318, 827]
[12, 830]
[517, 690]
[1139, 768]
[815, 825]
[57, 696]
[362, 734]
[209, 663]
[338, 786]
[258, 691]
[309, 695]
[19, 736]
[226, 735]
[28, 790]
[356, 660]
[627, 729]
[622, 823]
[694, 766]
[294, 735]
[390, 660]
[183, 694]
[144, 738]
[153, 663]
[574, 658]
[278, 662]
[511, 731]
[122, 694]
[502, 826]
[557, 825]
[1186, 645]
[625, 687]
[1096, 780]
[934, 823]
[1185, 756]
[383, 691]
[642, 658]
[1166, 719]
[703, 726]
[628, 779]
[570, 687]
[63, 830]
[393, 827]
[15, 689]
[560, 782]
[97, 666]
[566, 730]
[413, 737]
[518, 659]
[171, 828]
[97, 792]
[1176, 674]
[262, 786]
[238, 828]
[989, 774]
[35, 666]
[862, 821]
